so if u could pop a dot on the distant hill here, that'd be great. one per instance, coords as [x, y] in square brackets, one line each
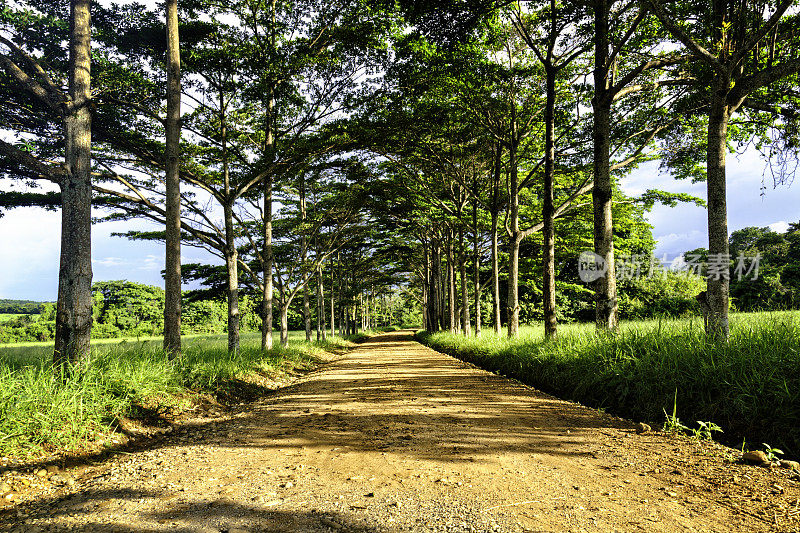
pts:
[21, 307]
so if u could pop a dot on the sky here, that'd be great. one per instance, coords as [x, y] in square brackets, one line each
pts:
[29, 237]
[685, 227]
[29, 254]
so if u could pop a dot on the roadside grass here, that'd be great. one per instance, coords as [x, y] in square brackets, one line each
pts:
[750, 386]
[39, 414]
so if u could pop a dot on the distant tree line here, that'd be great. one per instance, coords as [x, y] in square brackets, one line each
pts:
[765, 269]
[128, 309]
[21, 307]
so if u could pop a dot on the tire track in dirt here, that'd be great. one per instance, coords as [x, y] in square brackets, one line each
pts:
[397, 437]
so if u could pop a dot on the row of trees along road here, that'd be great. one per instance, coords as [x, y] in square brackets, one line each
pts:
[405, 133]
[520, 87]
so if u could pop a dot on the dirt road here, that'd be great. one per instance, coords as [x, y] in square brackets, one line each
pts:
[396, 437]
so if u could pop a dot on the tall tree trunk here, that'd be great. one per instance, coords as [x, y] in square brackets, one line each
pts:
[333, 300]
[368, 310]
[231, 254]
[362, 315]
[548, 211]
[284, 323]
[425, 322]
[232, 267]
[321, 333]
[268, 252]
[717, 294]
[498, 324]
[341, 289]
[307, 313]
[497, 170]
[465, 322]
[267, 296]
[436, 258]
[477, 269]
[514, 244]
[74, 308]
[451, 286]
[304, 248]
[427, 288]
[172, 277]
[605, 287]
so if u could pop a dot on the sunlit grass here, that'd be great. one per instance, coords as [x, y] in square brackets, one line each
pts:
[39, 413]
[749, 385]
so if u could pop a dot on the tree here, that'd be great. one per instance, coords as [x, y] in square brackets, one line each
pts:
[742, 50]
[556, 50]
[172, 278]
[74, 307]
[621, 35]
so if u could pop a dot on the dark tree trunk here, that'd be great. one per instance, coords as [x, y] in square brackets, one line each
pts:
[498, 169]
[74, 308]
[433, 320]
[476, 282]
[362, 313]
[333, 300]
[606, 286]
[426, 288]
[172, 276]
[436, 287]
[451, 286]
[307, 313]
[465, 319]
[548, 211]
[498, 324]
[321, 330]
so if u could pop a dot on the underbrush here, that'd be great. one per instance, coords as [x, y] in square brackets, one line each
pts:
[750, 385]
[40, 414]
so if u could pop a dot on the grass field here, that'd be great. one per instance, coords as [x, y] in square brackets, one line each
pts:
[29, 352]
[39, 415]
[750, 386]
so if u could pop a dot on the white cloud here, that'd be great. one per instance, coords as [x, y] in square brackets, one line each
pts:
[108, 262]
[677, 243]
[152, 262]
[779, 227]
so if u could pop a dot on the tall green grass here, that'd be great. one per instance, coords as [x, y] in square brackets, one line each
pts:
[750, 385]
[40, 414]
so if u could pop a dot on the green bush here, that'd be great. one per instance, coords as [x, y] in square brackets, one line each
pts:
[670, 294]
